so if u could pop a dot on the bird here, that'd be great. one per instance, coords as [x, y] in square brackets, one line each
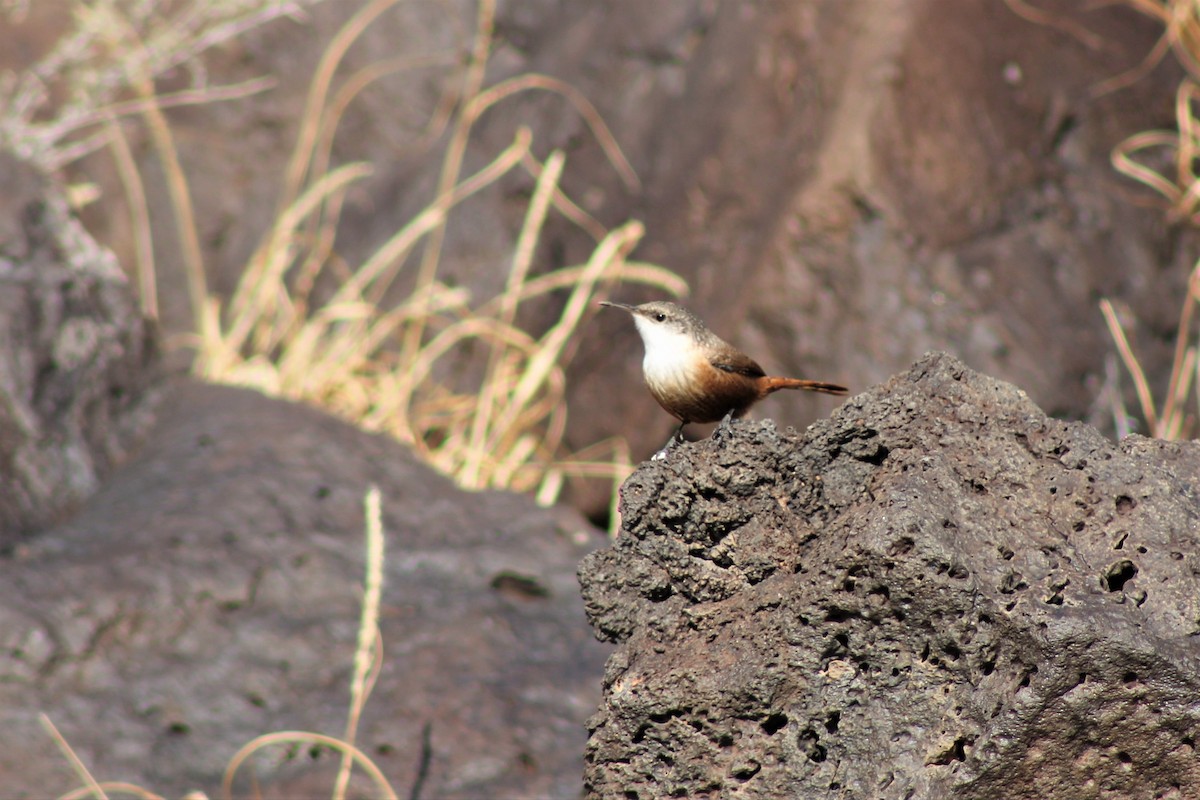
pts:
[695, 375]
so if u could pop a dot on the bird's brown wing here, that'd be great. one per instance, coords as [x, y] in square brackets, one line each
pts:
[737, 362]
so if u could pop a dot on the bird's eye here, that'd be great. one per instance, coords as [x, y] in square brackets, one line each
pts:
[660, 317]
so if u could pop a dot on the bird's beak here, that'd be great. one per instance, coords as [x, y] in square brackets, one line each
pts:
[624, 306]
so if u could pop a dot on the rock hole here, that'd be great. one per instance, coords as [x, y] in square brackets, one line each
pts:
[1117, 575]
[953, 651]
[630, 794]
[955, 752]
[1006, 553]
[660, 593]
[877, 457]
[1124, 757]
[958, 572]
[831, 721]
[1129, 678]
[808, 740]
[1078, 526]
[901, 546]
[840, 615]
[987, 667]
[1125, 504]
[1121, 541]
[1012, 582]
[1027, 677]
[774, 723]
[744, 772]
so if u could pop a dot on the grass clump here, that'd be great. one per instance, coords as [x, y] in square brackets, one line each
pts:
[1179, 189]
[458, 379]
[1140, 157]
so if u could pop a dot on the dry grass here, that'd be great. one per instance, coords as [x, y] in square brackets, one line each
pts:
[381, 364]
[1180, 192]
[1139, 157]
[387, 367]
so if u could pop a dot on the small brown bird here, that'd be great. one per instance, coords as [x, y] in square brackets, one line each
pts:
[696, 375]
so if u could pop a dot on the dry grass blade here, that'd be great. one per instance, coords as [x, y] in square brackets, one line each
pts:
[313, 117]
[486, 408]
[604, 137]
[1063, 23]
[357, 756]
[368, 655]
[452, 164]
[1182, 190]
[93, 788]
[139, 211]
[1145, 397]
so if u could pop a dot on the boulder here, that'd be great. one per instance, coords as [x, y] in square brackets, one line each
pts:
[79, 366]
[938, 592]
[210, 593]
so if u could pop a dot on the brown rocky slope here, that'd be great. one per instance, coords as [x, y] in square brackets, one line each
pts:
[938, 592]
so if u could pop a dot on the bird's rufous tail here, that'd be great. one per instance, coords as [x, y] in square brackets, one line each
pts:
[775, 384]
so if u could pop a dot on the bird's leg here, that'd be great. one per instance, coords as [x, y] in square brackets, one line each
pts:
[676, 438]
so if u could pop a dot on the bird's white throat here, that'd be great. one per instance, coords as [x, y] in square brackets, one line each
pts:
[670, 354]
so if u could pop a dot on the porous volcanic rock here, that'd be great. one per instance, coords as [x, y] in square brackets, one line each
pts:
[209, 593]
[938, 592]
[78, 364]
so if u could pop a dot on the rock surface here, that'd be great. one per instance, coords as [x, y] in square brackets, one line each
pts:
[78, 364]
[210, 592]
[939, 592]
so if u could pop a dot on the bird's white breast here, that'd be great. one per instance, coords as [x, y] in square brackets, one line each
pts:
[670, 356]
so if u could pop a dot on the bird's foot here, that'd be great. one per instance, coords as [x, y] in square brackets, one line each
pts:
[676, 438]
